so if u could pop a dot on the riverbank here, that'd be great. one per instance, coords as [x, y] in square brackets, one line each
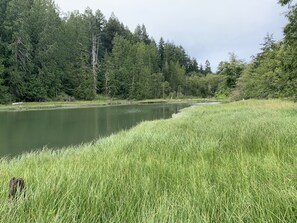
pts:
[232, 162]
[28, 106]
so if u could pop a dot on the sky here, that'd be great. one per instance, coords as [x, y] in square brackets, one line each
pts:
[207, 29]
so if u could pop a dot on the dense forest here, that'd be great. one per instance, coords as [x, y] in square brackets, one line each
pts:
[44, 56]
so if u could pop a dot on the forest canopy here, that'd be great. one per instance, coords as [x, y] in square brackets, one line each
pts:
[44, 56]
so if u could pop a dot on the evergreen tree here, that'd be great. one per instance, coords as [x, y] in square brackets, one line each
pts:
[156, 85]
[19, 48]
[175, 54]
[207, 69]
[192, 66]
[232, 70]
[4, 95]
[177, 75]
[78, 69]
[144, 35]
[84, 90]
[46, 36]
[3, 36]
[122, 67]
[112, 28]
[161, 52]
[264, 77]
[140, 34]
[290, 43]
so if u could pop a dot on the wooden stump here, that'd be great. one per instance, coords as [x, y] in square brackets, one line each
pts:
[16, 187]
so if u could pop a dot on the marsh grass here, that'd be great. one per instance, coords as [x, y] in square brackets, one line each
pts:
[232, 162]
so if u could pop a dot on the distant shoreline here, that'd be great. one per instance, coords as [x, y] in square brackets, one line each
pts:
[32, 106]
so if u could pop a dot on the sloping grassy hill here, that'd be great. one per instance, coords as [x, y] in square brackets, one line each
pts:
[232, 162]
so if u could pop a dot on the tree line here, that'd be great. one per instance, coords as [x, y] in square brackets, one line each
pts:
[45, 56]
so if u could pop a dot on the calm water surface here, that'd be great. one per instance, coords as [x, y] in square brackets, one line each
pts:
[32, 130]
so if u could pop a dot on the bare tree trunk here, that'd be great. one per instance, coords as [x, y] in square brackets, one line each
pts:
[94, 60]
[132, 88]
[106, 83]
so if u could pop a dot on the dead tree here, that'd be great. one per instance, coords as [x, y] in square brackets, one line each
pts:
[16, 187]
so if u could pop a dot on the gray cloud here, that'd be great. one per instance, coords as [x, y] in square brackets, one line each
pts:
[206, 29]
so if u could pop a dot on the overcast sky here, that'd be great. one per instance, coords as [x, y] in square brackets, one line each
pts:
[206, 29]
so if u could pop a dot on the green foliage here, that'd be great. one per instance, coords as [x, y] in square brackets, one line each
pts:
[205, 86]
[35, 90]
[166, 89]
[47, 43]
[5, 97]
[232, 70]
[290, 55]
[112, 28]
[141, 34]
[156, 85]
[265, 77]
[192, 66]
[176, 76]
[132, 70]
[272, 73]
[161, 46]
[82, 54]
[174, 54]
[284, 2]
[84, 90]
[207, 69]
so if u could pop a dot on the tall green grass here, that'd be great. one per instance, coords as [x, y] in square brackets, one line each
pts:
[232, 162]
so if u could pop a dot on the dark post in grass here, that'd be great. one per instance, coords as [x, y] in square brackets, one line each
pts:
[16, 187]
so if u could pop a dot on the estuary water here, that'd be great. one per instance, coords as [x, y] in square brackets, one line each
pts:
[27, 131]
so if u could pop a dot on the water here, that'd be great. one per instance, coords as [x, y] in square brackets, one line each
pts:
[33, 130]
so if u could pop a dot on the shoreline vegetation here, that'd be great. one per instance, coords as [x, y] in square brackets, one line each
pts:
[29, 106]
[233, 162]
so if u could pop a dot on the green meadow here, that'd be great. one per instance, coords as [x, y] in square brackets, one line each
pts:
[234, 162]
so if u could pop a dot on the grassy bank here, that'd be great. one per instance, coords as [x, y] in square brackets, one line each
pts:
[232, 162]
